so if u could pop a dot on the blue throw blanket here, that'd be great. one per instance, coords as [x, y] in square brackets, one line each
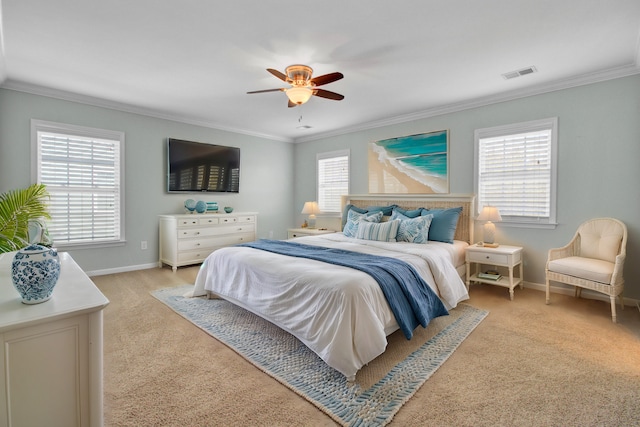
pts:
[412, 301]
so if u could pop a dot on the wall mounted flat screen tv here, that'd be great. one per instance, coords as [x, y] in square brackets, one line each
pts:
[199, 167]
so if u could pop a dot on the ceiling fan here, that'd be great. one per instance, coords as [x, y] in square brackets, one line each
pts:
[302, 85]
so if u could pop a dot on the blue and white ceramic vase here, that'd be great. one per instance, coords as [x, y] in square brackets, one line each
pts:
[35, 271]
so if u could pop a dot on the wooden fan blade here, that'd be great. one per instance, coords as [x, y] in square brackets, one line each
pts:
[327, 94]
[278, 74]
[325, 79]
[267, 90]
[291, 104]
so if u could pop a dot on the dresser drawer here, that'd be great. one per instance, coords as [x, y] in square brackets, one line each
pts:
[486, 258]
[213, 242]
[194, 256]
[189, 233]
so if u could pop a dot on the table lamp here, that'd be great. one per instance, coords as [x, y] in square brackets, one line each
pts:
[311, 209]
[490, 214]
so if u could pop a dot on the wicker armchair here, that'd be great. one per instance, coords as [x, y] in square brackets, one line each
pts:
[592, 260]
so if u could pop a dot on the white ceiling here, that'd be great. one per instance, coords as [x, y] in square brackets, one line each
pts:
[194, 60]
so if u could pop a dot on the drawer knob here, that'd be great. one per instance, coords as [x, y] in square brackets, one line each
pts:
[488, 257]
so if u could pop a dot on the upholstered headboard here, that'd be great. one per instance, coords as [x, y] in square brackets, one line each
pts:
[464, 231]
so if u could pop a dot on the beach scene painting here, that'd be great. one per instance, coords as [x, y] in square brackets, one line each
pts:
[415, 164]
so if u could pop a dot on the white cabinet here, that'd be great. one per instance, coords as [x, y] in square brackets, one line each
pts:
[51, 353]
[504, 256]
[189, 239]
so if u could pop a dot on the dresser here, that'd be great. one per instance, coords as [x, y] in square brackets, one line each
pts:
[189, 239]
[51, 353]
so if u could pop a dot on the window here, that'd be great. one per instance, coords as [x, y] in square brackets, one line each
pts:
[83, 171]
[333, 179]
[515, 170]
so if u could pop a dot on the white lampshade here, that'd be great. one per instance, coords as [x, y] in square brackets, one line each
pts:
[490, 214]
[299, 95]
[311, 209]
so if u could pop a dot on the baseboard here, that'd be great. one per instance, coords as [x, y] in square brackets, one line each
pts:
[586, 293]
[121, 269]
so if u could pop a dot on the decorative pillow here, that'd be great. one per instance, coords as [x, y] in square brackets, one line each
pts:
[444, 223]
[349, 208]
[413, 230]
[354, 219]
[381, 232]
[409, 214]
[386, 211]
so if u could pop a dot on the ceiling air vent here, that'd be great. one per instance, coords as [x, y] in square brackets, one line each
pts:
[518, 73]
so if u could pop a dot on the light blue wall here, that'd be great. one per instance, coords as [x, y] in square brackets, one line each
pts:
[598, 163]
[261, 188]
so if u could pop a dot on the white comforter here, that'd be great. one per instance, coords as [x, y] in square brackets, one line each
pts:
[338, 312]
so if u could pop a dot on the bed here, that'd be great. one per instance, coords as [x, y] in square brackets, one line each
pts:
[340, 312]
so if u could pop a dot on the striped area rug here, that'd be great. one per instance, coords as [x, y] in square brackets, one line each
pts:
[379, 390]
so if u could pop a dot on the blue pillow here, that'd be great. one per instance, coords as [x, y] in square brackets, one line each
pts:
[409, 214]
[386, 210]
[444, 223]
[413, 230]
[354, 218]
[380, 231]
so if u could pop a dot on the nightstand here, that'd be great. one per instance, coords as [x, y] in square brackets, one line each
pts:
[503, 256]
[298, 232]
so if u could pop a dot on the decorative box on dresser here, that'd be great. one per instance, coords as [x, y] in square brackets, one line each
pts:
[51, 353]
[188, 239]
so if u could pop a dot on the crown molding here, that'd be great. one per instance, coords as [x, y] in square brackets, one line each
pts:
[581, 80]
[127, 108]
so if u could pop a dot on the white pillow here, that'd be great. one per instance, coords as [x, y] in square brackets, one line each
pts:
[381, 232]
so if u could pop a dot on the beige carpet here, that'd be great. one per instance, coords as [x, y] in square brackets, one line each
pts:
[526, 364]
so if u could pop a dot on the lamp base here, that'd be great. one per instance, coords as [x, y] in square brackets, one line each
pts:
[489, 232]
[311, 221]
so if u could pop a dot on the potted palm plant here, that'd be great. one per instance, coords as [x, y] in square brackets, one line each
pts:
[18, 210]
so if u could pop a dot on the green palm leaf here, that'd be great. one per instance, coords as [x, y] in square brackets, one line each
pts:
[17, 208]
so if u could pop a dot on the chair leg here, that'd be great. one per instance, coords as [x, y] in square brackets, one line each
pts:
[548, 301]
[613, 309]
[621, 301]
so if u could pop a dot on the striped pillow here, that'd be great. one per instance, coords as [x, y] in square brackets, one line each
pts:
[382, 232]
[354, 219]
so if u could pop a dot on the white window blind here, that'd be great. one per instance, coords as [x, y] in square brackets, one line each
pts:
[333, 179]
[515, 171]
[82, 173]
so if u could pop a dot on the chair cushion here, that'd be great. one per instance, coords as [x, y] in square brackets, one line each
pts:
[600, 239]
[592, 269]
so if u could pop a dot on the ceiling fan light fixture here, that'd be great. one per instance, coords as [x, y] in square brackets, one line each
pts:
[299, 95]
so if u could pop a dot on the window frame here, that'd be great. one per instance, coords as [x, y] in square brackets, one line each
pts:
[514, 129]
[38, 126]
[329, 155]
